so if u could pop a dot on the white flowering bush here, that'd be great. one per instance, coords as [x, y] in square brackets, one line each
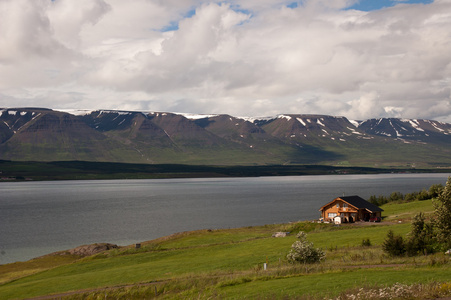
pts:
[303, 251]
[400, 291]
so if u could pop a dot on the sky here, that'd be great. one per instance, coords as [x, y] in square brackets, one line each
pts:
[358, 59]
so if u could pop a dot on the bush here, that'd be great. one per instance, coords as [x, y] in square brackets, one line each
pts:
[366, 242]
[303, 251]
[394, 244]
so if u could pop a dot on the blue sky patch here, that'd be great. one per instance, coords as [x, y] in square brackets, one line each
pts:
[369, 5]
[174, 25]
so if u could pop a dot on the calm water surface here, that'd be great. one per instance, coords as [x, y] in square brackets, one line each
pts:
[37, 218]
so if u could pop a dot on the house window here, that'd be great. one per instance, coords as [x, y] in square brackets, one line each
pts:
[345, 205]
[332, 215]
[338, 205]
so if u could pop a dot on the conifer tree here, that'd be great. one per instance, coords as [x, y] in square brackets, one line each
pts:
[442, 214]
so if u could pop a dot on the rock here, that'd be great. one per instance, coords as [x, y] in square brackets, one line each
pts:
[280, 234]
[87, 250]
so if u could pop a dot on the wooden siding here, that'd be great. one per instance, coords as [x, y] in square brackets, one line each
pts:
[338, 207]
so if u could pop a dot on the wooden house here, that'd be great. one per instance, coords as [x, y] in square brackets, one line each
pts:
[350, 209]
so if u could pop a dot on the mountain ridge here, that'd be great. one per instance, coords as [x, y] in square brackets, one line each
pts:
[43, 134]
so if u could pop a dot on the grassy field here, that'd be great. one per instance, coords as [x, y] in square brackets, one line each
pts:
[229, 264]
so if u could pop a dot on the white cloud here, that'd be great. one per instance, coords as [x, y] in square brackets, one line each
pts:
[69, 19]
[248, 57]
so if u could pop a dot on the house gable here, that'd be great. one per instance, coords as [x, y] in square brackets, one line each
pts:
[361, 203]
[351, 208]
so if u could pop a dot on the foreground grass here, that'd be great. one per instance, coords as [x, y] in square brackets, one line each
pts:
[17, 270]
[335, 281]
[228, 264]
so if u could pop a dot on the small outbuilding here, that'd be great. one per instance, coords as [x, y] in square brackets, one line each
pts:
[350, 209]
[337, 220]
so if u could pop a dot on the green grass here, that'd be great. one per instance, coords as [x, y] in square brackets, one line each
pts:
[405, 211]
[352, 236]
[209, 263]
[12, 271]
[335, 282]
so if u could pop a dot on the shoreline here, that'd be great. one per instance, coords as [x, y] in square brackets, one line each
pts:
[24, 171]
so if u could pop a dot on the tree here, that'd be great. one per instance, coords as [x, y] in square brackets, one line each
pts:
[435, 190]
[373, 200]
[394, 244]
[396, 196]
[303, 251]
[442, 215]
[423, 195]
[421, 237]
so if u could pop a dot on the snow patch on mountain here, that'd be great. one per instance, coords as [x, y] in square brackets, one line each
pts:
[255, 119]
[284, 117]
[77, 112]
[301, 121]
[7, 124]
[436, 127]
[195, 116]
[415, 124]
[354, 131]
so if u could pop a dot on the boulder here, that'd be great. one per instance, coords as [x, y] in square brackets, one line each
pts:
[87, 250]
[280, 234]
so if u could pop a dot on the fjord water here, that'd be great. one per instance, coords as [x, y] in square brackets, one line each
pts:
[37, 218]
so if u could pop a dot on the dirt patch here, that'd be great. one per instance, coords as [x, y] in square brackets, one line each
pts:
[361, 223]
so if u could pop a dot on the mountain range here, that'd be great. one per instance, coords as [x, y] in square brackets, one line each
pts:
[39, 134]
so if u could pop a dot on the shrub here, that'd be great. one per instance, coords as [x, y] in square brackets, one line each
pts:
[366, 242]
[394, 244]
[303, 251]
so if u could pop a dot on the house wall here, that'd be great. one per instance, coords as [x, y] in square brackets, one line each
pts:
[340, 207]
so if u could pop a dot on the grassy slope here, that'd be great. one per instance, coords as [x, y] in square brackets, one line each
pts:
[228, 263]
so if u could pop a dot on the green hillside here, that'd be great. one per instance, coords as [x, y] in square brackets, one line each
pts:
[228, 264]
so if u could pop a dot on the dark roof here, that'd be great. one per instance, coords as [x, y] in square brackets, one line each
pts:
[361, 203]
